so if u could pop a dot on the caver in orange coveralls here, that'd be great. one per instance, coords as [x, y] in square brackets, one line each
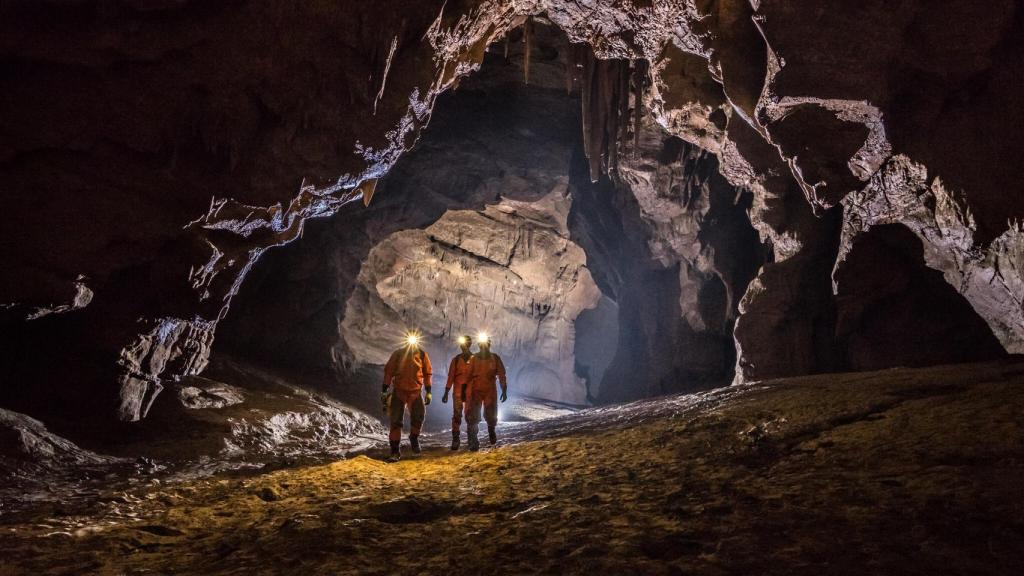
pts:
[408, 371]
[458, 378]
[482, 393]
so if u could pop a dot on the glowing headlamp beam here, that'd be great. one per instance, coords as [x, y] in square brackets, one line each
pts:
[483, 338]
[412, 339]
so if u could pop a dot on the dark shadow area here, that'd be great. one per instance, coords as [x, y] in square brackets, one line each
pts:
[597, 333]
[893, 310]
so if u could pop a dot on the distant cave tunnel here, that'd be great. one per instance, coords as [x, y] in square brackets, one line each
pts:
[492, 223]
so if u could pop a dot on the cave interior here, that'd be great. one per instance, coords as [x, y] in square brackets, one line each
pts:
[755, 271]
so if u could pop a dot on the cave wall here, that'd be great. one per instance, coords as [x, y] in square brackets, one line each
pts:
[831, 116]
[159, 149]
[153, 152]
[892, 309]
[671, 243]
[509, 270]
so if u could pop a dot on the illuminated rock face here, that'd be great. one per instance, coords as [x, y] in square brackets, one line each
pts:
[509, 270]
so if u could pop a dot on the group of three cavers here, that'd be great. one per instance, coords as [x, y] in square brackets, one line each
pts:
[472, 383]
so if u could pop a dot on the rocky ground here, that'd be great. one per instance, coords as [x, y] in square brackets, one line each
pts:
[893, 472]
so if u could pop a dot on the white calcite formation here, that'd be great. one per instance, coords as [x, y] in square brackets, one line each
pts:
[509, 270]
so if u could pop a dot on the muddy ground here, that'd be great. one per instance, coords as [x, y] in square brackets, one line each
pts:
[893, 472]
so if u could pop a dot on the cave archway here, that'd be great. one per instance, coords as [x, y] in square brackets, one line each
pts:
[501, 149]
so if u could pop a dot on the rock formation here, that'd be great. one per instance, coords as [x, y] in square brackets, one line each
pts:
[201, 136]
[509, 270]
[526, 141]
[493, 138]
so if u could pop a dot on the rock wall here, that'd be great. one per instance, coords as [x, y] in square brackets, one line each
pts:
[876, 108]
[153, 152]
[509, 270]
[671, 243]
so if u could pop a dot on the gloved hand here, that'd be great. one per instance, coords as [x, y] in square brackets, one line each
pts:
[444, 399]
[504, 395]
[426, 399]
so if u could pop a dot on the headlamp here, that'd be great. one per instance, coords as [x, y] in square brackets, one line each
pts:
[412, 339]
[483, 338]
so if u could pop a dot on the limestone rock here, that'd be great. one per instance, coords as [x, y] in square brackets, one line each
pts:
[26, 441]
[509, 270]
[209, 395]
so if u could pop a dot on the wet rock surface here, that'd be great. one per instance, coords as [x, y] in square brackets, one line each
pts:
[33, 460]
[271, 419]
[202, 427]
[839, 474]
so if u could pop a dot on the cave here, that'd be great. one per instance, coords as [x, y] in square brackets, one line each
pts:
[753, 272]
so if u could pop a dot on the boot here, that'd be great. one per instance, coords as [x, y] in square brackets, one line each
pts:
[414, 441]
[492, 435]
[396, 451]
[455, 440]
[474, 444]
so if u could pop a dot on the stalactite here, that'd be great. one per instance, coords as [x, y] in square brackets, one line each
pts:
[604, 93]
[526, 51]
[609, 82]
[639, 81]
[586, 83]
[623, 96]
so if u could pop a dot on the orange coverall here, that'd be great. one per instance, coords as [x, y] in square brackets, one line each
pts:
[408, 371]
[458, 378]
[482, 391]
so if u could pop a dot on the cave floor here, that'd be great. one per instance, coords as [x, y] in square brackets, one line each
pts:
[894, 472]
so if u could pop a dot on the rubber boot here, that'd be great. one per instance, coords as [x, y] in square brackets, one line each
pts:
[396, 451]
[492, 435]
[455, 440]
[414, 441]
[474, 444]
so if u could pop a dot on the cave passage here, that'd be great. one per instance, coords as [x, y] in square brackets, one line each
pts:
[507, 234]
[754, 271]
